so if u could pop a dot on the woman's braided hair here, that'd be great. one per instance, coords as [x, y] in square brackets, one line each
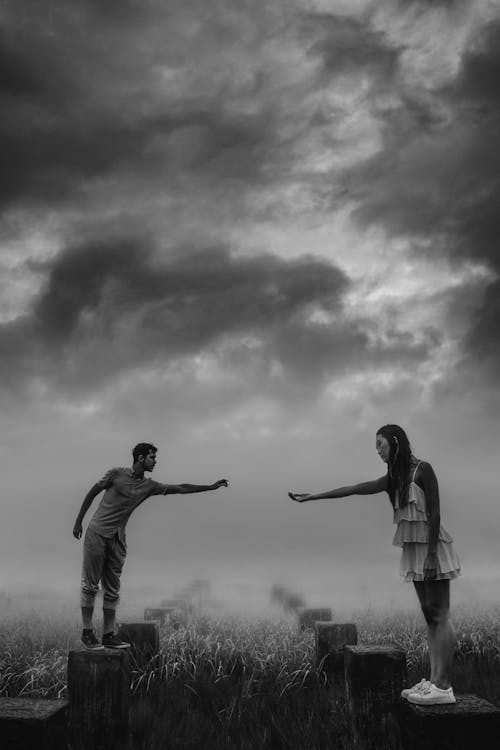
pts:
[398, 467]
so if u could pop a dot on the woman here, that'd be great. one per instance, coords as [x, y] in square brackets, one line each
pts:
[428, 556]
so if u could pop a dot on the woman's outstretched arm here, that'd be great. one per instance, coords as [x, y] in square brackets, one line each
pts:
[364, 488]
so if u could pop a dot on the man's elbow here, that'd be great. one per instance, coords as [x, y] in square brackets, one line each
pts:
[93, 492]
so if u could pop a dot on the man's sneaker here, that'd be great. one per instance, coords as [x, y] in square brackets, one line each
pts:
[90, 641]
[431, 695]
[110, 640]
[416, 688]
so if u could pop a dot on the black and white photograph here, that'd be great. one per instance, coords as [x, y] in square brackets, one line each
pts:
[249, 374]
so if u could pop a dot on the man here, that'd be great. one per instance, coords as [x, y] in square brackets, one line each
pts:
[105, 548]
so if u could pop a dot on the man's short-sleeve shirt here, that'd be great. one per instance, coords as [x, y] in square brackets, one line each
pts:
[124, 492]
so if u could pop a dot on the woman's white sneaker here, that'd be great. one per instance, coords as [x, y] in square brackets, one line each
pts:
[431, 695]
[417, 688]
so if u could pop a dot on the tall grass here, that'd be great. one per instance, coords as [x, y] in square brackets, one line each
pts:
[236, 683]
[233, 684]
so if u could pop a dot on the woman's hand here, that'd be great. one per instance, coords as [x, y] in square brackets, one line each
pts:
[300, 497]
[430, 566]
[77, 530]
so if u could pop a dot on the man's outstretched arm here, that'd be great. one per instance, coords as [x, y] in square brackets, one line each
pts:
[87, 502]
[185, 489]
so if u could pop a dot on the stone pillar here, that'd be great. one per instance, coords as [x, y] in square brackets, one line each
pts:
[331, 638]
[180, 609]
[99, 699]
[293, 603]
[162, 614]
[308, 616]
[375, 676]
[27, 723]
[144, 640]
[464, 725]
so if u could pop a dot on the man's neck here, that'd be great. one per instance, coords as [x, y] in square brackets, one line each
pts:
[138, 470]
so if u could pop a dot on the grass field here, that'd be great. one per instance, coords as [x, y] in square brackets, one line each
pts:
[236, 683]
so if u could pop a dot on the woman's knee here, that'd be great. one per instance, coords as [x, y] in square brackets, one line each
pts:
[437, 602]
[426, 614]
[437, 614]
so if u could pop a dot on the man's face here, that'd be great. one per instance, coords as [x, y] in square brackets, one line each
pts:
[150, 461]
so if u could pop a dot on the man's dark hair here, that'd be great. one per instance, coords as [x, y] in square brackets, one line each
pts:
[142, 449]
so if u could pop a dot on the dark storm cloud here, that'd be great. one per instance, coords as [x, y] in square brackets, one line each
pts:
[104, 294]
[426, 4]
[116, 11]
[84, 99]
[18, 76]
[79, 103]
[438, 177]
[47, 141]
[478, 79]
[107, 308]
[477, 224]
[52, 157]
[205, 292]
[348, 44]
[477, 97]
[314, 351]
[482, 340]
[117, 107]
[434, 168]
[20, 353]
[51, 149]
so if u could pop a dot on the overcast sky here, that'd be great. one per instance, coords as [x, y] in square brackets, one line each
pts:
[250, 232]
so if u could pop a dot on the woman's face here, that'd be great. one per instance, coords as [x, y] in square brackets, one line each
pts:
[382, 447]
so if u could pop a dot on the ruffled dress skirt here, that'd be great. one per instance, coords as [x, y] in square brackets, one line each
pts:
[412, 534]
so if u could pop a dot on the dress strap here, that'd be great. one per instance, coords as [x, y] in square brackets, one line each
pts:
[415, 472]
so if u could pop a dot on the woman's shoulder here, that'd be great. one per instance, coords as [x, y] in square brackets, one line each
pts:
[416, 461]
[422, 464]
[421, 468]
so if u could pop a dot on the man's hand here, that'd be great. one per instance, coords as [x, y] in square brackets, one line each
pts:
[299, 497]
[220, 483]
[77, 530]
[430, 566]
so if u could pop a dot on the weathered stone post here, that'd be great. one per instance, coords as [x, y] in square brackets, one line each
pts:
[293, 603]
[469, 723]
[308, 616]
[278, 593]
[331, 638]
[179, 609]
[27, 723]
[144, 639]
[162, 614]
[375, 676]
[99, 699]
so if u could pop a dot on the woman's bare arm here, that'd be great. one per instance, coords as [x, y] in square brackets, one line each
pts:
[427, 479]
[364, 488]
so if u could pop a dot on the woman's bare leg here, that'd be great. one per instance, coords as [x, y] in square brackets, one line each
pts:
[438, 607]
[420, 588]
[432, 641]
